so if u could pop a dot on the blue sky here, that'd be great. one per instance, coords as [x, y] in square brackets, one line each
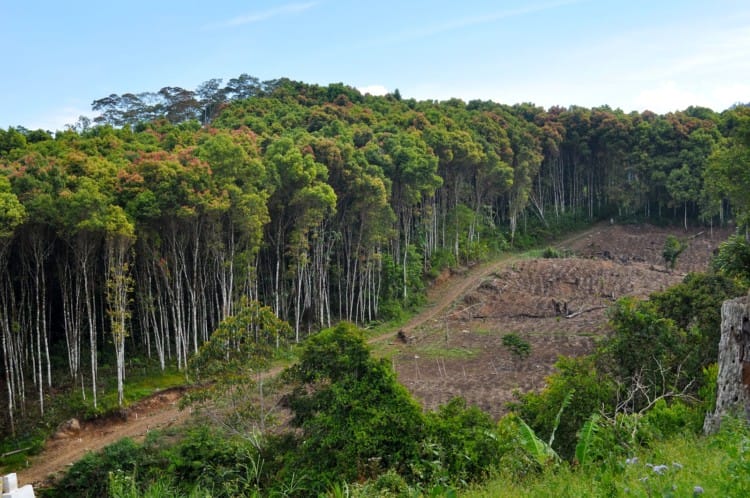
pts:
[661, 55]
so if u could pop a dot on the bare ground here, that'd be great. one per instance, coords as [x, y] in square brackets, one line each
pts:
[454, 346]
[558, 306]
[68, 445]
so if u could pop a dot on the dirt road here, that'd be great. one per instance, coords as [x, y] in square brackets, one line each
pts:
[446, 293]
[159, 411]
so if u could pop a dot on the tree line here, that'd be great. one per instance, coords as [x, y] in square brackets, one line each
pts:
[145, 230]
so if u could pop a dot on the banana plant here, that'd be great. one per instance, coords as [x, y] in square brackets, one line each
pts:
[542, 451]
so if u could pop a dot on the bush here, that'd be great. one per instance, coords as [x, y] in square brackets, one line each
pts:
[462, 444]
[514, 460]
[695, 306]
[391, 309]
[734, 439]
[517, 345]
[665, 420]
[440, 260]
[672, 337]
[733, 259]
[356, 420]
[89, 477]
[673, 247]
[209, 458]
[592, 390]
[390, 484]
[552, 253]
[647, 346]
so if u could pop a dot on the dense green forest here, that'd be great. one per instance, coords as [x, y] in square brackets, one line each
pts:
[138, 234]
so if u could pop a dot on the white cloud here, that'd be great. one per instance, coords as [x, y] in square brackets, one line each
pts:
[253, 17]
[373, 89]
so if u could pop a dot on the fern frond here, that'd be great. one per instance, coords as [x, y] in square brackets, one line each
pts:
[566, 401]
[586, 439]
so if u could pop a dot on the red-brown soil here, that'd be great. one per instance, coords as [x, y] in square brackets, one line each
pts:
[159, 411]
[455, 349]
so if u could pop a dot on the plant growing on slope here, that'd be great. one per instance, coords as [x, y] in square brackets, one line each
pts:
[520, 348]
[673, 247]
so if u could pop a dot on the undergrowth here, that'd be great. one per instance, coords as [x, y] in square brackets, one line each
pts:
[682, 466]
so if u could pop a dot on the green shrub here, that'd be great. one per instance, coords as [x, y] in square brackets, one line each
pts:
[670, 419]
[517, 345]
[552, 253]
[513, 459]
[462, 442]
[391, 309]
[669, 340]
[440, 260]
[355, 419]
[390, 484]
[648, 346]
[733, 259]
[694, 306]
[734, 439]
[89, 477]
[673, 247]
[592, 390]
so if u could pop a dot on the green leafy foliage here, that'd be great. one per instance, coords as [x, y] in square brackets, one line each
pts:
[89, 476]
[225, 368]
[241, 345]
[586, 439]
[669, 340]
[673, 247]
[645, 344]
[694, 306]
[520, 348]
[539, 450]
[464, 443]
[665, 419]
[552, 253]
[442, 259]
[734, 439]
[593, 390]
[684, 465]
[12, 212]
[356, 420]
[733, 259]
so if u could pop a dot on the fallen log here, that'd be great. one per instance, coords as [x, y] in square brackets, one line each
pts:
[594, 308]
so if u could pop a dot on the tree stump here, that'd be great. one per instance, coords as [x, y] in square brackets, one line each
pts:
[733, 383]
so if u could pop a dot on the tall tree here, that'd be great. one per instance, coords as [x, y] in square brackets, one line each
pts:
[119, 238]
[12, 215]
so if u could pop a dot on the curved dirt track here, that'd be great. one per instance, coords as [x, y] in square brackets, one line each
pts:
[159, 411]
[446, 293]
